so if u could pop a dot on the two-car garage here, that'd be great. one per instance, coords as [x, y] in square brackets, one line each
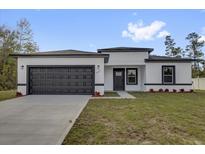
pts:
[61, 79]
[63, 72]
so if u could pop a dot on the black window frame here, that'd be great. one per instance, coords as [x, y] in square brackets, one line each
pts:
[173, 76]
[136, 76]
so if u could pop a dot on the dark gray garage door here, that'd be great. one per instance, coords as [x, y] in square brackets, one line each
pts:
[61, 80]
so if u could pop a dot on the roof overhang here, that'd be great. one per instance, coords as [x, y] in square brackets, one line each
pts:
[36, 55]
[125, 49]
[169, 60]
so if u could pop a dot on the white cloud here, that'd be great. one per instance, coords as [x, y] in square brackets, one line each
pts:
[202, 38]
[139, 32]
[163, 34]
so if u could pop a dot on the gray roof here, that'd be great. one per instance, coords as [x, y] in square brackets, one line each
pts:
[78, 53]
[155, 58]
[64, 53]
[125, 49]
[59, 52]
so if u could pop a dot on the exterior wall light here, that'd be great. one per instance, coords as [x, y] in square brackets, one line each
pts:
[22, 67]
[98, 68]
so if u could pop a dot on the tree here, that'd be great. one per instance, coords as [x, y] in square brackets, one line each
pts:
[194, 48]
[8, 45]
[25, 37]
[12, 41]
[171, 50]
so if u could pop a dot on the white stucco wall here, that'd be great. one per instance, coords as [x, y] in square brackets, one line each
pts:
[147, 72]
[143, 74]
[109, 78]
[126, 58]
[22, 73]
[182, 75]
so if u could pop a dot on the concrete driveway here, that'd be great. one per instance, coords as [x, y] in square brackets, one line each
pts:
[39, 119]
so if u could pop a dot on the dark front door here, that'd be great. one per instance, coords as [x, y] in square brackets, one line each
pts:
[119, 78]
[61, 80]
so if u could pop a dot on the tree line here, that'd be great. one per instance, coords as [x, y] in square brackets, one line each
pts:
[17, 40]
[193, 50]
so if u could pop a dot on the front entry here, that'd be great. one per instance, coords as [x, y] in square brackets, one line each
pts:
[119, 79]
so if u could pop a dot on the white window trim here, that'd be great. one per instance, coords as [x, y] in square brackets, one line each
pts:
[163, 75]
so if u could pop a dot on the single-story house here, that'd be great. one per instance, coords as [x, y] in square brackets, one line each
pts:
[110, 69]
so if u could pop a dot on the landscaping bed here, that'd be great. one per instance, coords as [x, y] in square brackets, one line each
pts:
[107, 94]
[111, 94]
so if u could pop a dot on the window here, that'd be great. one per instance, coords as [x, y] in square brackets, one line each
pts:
[168, 74]
[132, 76]
[118, 73]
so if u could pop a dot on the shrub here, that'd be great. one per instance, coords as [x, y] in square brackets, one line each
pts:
[160, 90]
[181, 90]
[97, 93]
[191, 90]
[166, 90]
[174, 90]
[18, 94]
[151, 90]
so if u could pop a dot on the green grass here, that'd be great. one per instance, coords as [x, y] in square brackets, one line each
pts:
[111, 94]
[7, 94]
[151, 118]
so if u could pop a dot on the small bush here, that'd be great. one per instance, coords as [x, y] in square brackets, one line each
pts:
[151, 90]
[166, 90]
[174, 90]
[181, 90]
[97, 94]
[191, 90]
[18, 94]
[160, 90]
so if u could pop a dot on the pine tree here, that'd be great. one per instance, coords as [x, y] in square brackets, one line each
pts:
[171, 50]
[194, 48]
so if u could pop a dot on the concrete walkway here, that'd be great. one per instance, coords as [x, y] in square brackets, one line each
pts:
[39, 119]
[124, 94]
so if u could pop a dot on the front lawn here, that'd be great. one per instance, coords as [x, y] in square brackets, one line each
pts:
[151, 118]
[7, 94]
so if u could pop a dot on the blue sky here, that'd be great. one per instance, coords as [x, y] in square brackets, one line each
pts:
[92, 29]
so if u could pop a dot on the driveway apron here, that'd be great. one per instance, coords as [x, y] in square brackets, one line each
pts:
[39, 119]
